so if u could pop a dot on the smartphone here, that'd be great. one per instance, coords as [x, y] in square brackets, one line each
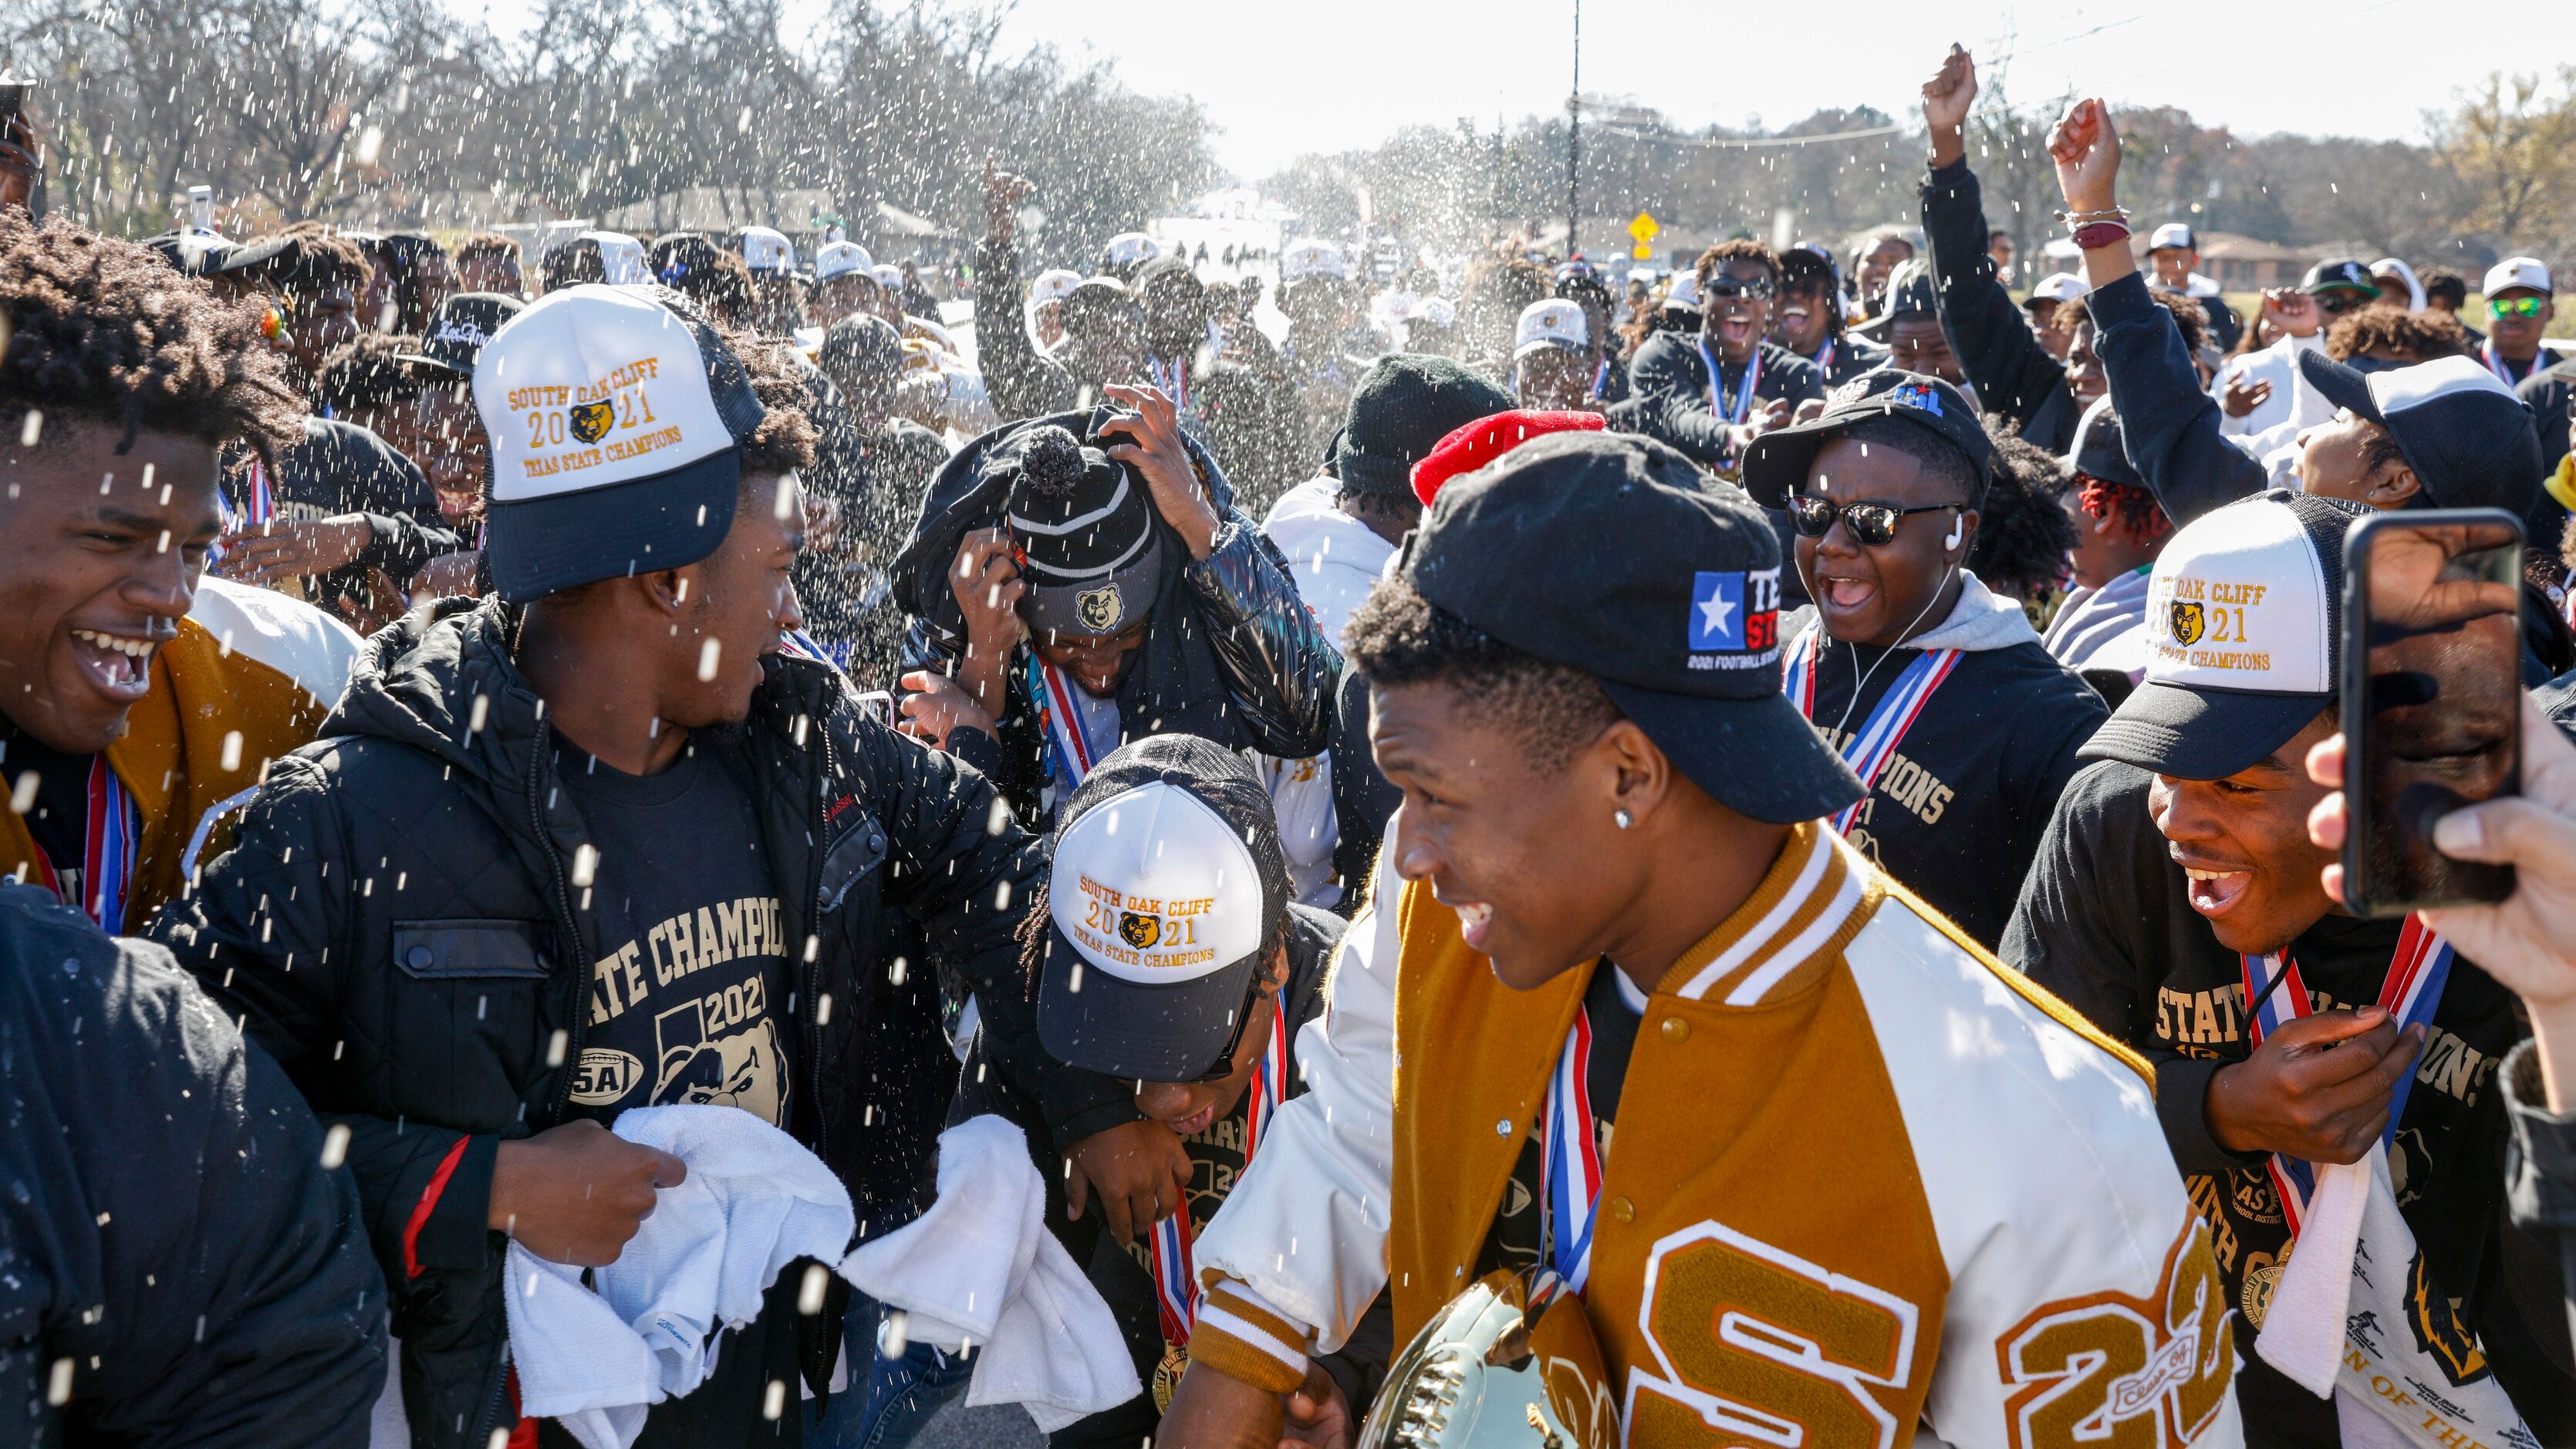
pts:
[2432, 699]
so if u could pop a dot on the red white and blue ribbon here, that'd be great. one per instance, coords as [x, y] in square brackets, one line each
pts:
[1176, 1277]
[1869, 751]
[2279, 995]
[1569, 1166]
[1742, 407]
[1075, 753]
[1824, 358]
[1601, 380]
[115, 824]
[2497, 363]
[259, 506]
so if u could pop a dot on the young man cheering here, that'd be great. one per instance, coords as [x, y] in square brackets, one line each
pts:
[1809, 320]
[468, 926]
[2177, 903]
[1710, 392]
[1621, 920]
[1934, 688]
[140, 699]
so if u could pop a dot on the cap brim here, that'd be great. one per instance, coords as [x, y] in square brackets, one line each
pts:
[1542, 344]
[1142, 1033]
[2199, 734]
[2342, 386]
[440, 364]
[1757, 757]
[542, 546]
[1776, 464]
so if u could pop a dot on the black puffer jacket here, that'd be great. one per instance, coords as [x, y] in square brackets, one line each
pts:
[167, 1228]
[400, 925]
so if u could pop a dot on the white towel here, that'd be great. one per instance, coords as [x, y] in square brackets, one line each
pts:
[980, 1268]
[754, 1201]
[2303, 1327]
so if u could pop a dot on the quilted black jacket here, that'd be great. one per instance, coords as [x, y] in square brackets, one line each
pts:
[401, 926]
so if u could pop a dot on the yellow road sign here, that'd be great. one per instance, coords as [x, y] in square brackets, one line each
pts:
[1642, 252]
[1644, 227]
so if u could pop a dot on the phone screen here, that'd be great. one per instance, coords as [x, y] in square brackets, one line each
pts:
[2432, 699]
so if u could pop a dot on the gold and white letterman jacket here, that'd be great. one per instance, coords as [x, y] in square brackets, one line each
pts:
[1867, 1185]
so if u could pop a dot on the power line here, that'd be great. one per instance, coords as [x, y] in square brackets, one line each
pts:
[1725, 143]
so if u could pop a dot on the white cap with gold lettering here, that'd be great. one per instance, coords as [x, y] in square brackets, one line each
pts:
[2243, 625]
[615, 426]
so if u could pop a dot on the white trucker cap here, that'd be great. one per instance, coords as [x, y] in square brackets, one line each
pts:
[615, 429]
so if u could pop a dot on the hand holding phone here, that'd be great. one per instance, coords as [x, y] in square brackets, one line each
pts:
[2432, 700]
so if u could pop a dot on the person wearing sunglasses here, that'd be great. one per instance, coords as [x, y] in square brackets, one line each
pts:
[1810, 318]
[1935, 689]
[1710, 392]
[1169, 952]
[2519, 309]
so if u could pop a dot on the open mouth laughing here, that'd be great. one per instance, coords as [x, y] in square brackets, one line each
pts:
[118, 665]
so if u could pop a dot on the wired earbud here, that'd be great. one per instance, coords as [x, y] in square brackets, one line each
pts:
[1958, 527]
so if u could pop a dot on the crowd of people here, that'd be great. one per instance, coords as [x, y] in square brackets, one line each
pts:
[649, 844]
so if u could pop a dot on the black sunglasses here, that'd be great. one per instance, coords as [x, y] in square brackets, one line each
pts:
[1872, 524]
[1723, 285]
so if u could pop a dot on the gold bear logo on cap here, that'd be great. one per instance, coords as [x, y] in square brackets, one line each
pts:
[2187, 623]
[590, 421]
[1139, 931]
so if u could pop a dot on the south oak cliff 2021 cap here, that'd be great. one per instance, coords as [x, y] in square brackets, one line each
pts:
[1167, 888]
[2244, 635]
[616, 427]
[1612, 555]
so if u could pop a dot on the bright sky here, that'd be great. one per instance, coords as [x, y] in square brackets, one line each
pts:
[1326, 75]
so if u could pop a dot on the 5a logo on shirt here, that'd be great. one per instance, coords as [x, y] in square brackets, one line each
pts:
[685, 1015]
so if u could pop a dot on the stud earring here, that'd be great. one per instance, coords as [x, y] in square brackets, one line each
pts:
[1624, 818]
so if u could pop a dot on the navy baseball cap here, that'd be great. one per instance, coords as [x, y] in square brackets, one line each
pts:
[1776, 463]
[1167, 887]
[2341, 273]
[1616, 556]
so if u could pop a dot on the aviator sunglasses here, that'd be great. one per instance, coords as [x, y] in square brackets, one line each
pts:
[1871, 524]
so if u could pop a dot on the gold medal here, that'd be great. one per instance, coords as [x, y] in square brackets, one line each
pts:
[2257, 1297]
[1167, 1375]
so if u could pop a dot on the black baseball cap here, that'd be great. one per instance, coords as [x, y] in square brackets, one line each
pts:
[2471, 442]
[194, 253]
[2339, 274]
[1616, 556]
[458, 330]
[1776, 464]
[1167, 888]
[2101, 450]
[2244, 626]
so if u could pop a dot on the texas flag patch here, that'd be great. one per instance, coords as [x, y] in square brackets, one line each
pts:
[1736, 611]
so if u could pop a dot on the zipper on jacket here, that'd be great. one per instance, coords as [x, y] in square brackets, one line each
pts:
[490, 1422]
[578, 1027]
[809, 970]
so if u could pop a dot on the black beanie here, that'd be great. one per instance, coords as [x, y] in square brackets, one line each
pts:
[1082, 532]
[1404, 405]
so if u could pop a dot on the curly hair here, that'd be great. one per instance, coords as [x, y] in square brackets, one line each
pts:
[2415, 336]
[366, 373]
[1735, 249]
[486, 244]
[104, 330]
[2190, 318]
[2023, 533]
[1399, 637]
[322, 260]
[786, 438]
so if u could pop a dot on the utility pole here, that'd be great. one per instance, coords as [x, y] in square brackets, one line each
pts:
[1574, 137]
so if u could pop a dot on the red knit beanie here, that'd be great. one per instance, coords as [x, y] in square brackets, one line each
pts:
[1482, 441]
